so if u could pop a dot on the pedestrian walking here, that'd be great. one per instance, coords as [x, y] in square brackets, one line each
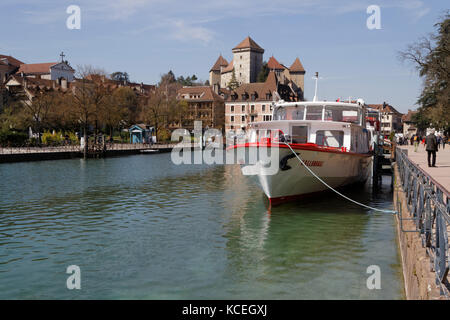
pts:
[431, 147]
[416, 142]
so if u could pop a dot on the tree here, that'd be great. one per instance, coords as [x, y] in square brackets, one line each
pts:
[431, 57]
[167, 78]
[40, 108]
[233, 84]
[188, 81]
[120, 76]
[88, 99]
[127, 101]
[262, 75]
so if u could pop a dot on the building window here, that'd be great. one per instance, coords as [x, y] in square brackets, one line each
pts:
[232, 118]
[263, 107]
[232, 108]
[253, 108]
[268, 96]
[243, 108]
[243, 118]
[241, 56]
[252, 118]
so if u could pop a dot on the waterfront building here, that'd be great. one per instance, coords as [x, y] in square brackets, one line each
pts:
[252, 102]
[202, 104]
[391, 119]
[409, 126]
[246, 64]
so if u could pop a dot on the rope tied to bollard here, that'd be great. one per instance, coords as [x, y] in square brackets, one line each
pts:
[331, 188]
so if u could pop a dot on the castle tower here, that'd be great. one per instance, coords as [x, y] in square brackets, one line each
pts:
[247, 60]
[297, 75]
[214, 73]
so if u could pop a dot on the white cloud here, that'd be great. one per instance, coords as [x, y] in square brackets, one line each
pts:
[185, 32]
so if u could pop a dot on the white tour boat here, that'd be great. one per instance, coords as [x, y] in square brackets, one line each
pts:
[330, 138]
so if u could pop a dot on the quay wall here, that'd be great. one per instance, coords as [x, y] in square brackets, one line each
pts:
[38, 156]
[60, 155]
[418, 277]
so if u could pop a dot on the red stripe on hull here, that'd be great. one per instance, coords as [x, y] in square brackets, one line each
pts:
[300, 146]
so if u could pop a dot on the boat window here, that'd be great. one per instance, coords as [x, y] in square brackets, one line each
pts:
[314, 113]
[342, 114]
[296, 113]
[299, 134]
[330, 138]
[280, 114]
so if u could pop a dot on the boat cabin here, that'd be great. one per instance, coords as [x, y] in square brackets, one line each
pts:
[325, 124]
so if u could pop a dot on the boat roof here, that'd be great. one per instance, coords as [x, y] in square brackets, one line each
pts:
[359, 104]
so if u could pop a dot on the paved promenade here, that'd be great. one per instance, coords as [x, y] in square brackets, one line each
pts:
[440, 173]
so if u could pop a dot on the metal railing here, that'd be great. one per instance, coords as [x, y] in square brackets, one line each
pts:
[429, 207]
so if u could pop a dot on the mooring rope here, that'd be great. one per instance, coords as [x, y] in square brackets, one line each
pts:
[331, 188]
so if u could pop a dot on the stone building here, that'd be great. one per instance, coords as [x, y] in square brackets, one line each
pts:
[202, 104]
[247, 63]
[252, 102]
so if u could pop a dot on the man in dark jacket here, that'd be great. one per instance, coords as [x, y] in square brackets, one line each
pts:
[432, 147]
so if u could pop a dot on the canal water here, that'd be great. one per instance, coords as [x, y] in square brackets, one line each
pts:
[140, 227]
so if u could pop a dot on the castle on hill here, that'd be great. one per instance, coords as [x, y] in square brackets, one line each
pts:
[247, 63]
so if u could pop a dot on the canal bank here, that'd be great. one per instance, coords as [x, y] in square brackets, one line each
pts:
[8, 155]
[421, 199]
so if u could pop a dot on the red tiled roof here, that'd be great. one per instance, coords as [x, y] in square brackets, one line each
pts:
[260, 88]
[297, 66]
[273, 64]
[206, 93]
[249, 43]
[221, 62]
[11, 60]
[229, 67]
[386, 108]
[36, 68]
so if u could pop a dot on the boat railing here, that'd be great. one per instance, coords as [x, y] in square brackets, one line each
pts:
[429, 205]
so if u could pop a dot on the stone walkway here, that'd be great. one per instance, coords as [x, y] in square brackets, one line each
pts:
[440, 173]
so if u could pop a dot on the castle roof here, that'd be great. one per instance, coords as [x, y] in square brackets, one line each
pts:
[273, 64]
[297, 66]
[221, 62]
[229, 67]
[249, 43]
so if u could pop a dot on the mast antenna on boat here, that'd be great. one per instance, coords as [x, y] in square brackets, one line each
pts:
[276, 97]
[315, 91]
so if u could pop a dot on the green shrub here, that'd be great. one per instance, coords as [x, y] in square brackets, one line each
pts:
[13, 138]
[51, 139]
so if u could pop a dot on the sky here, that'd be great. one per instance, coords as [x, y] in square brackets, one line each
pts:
[147, 38]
